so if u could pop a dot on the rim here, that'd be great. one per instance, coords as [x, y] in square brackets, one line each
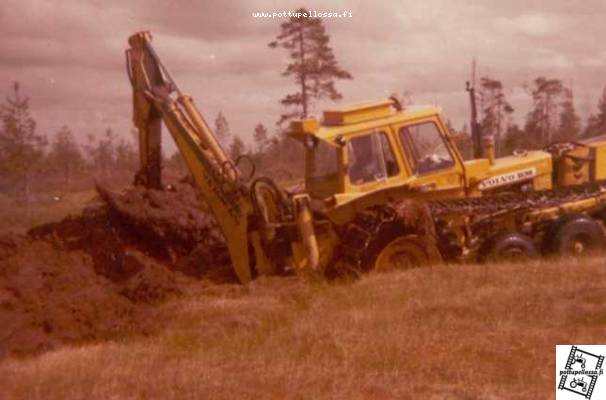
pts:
[402, 253]
[579, 245]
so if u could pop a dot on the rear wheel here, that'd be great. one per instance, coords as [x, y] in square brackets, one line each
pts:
[577, 236]
[510, 247]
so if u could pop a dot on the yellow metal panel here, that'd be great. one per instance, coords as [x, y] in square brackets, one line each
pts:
[600, 162]
[358, 113]
[532, 166]
[475, 171]
[302, 127]
[575, 167]
[328, 132]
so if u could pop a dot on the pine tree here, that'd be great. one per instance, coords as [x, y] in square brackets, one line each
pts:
[222, 129]
[313, 67]
[542, 121]
[125, 156]
[496, 110]
[65, 153]
[261, 138]
[596, 124]
[516, 139]
[570, 122]
[21, 148]
[102, 153]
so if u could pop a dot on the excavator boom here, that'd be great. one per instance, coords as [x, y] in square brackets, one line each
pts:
[157, 98]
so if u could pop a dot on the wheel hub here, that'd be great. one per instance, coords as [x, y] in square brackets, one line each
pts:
[578, 247]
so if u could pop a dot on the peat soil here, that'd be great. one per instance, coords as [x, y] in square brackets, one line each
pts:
[102, 274]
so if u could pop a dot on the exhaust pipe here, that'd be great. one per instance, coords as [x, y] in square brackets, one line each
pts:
[305, 226]
[489, 151]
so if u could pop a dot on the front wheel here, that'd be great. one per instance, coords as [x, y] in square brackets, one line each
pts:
[393, 250]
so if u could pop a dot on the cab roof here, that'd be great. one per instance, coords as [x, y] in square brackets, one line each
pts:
[357, 117]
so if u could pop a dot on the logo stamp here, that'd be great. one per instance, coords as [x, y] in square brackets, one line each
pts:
[579, 368]
[506, 179]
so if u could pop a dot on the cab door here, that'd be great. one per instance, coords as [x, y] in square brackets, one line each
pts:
[432, 162]
[371, 161]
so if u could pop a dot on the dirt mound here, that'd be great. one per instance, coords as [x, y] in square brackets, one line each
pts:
[98, 275]
[177, 226]
[170, 227]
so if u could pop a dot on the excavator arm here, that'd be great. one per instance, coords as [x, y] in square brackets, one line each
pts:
[157, 98]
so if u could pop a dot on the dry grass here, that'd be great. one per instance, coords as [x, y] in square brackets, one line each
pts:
[438, 333]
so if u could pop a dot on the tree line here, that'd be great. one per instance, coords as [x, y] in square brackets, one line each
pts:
[552, 117]
[28, 157]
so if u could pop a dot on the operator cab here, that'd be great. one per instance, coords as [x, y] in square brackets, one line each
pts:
[365, 147]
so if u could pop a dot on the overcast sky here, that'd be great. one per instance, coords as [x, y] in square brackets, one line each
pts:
[69, 54]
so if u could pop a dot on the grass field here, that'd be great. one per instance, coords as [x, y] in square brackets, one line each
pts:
[449, 332]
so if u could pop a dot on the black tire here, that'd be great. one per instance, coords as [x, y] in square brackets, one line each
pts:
[386, 235]
[423, 250]
[577, 235]
[509, 247]
[573, 384]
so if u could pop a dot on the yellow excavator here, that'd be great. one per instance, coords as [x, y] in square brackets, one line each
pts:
[385, 187]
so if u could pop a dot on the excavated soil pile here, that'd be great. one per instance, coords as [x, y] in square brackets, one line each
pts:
[102, 274]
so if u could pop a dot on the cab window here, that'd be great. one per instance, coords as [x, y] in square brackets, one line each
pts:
[371, 158]
[425, 148]
[323, 163]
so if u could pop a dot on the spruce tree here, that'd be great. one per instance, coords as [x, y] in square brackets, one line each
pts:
[21, 148]
[222, 129]
[65, 154]
[261, 137]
